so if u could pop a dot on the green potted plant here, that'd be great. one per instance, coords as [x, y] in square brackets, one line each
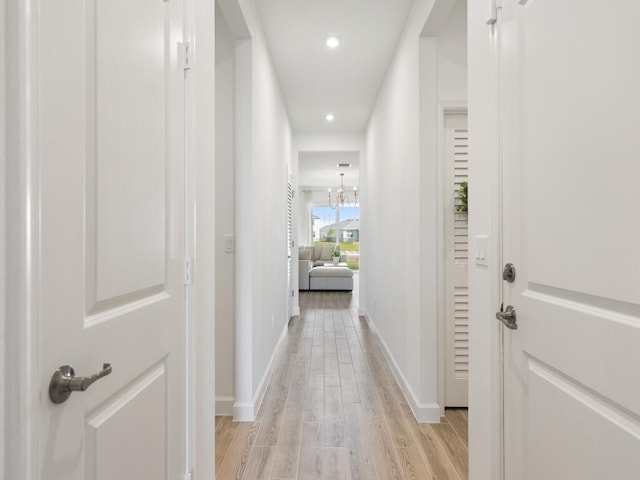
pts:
[336, 256]
[463, 195]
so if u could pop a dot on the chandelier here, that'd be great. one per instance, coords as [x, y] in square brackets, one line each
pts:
[342, 197]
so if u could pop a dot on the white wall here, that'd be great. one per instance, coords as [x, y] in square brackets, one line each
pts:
[304, 141]
[243, 406]
[484, 283]
[261, 223]
[224, 218]
[401, 297]
[452, 54]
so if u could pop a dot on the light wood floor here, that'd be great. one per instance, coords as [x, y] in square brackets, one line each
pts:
[333, 410]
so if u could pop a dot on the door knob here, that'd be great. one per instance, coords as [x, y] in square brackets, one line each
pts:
[64, 381]
[508, 317]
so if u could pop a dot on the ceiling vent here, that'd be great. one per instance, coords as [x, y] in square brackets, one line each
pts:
[344, 165]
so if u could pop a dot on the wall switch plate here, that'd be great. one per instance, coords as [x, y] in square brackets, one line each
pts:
[481, 250]
[229, 243]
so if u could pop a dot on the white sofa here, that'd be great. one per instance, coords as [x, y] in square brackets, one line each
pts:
[313, 275]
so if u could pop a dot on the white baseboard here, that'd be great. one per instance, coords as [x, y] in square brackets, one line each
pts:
[362, 312]
[243, 412]
[423, 412]
[224, 405]
[247, 412]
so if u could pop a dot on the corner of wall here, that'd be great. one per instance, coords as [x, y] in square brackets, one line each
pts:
[423, 412]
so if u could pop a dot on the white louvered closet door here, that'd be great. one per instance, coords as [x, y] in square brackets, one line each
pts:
[290, 248]
[457, 288]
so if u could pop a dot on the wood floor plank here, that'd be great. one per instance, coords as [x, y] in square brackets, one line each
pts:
[436, 454]
[358, 361]
[344, 354]
[361, 456]
[338, 327]
[384, 454]
[397, 423]
[336, 464]
[348, 383]
[333, 411]
[317, 360]
[334, 434]
[311, 462]
[455, 449]
[413, 466]
[235, 461]
[226, 429]
[331, 371]
[330, 343]
[271, 423]
[372, 409]
[287, 454]
[299, 383]
[328, 321]
[304, 351]
[260, 463]
[314, 405]
[430, 448]
[458, 420]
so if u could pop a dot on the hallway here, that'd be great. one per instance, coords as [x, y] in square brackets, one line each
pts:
[333, 410]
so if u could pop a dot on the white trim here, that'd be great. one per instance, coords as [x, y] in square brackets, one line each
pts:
[423, 412]
[4, 438]
[485, 398]
[201, 115]
[189, 243]
[224, 406]
[445, 107]
[22, 242]
[246, 412]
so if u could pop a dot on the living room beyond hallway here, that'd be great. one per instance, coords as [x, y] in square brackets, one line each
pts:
[334, 410]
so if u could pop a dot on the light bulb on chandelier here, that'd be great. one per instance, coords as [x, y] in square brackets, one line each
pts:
[343, 197]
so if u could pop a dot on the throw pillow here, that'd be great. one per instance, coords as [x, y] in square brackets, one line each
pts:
[327, 250]
[304, 254]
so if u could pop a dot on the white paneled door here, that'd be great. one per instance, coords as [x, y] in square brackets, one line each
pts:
[110, 109]
[569, 145]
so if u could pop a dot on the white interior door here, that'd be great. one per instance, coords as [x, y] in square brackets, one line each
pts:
[457, 260]
[570, 141]
[111, 146]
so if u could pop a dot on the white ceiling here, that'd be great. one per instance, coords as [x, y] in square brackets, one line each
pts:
[318, 170]
[316, 80]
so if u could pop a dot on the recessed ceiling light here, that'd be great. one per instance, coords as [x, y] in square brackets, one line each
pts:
[333, 41]
[330, 117]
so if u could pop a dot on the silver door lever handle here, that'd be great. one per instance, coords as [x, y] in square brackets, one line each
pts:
[508, 317]
[64, 381]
